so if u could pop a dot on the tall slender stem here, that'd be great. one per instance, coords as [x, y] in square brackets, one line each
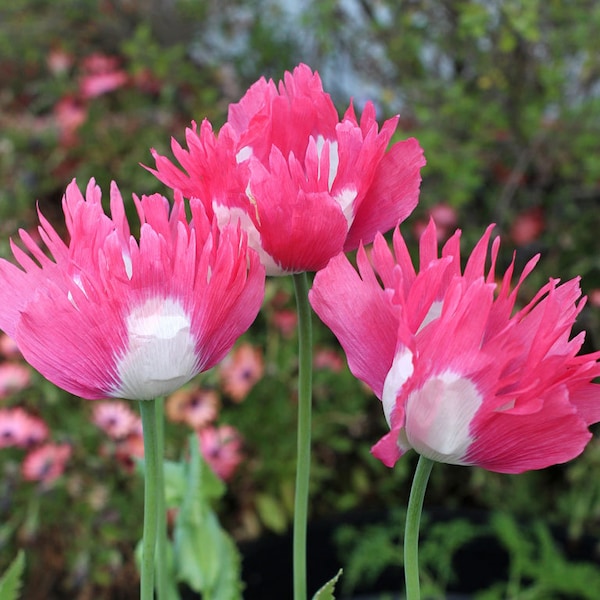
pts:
[161, 516]
[148, 410]
[411, 532]
[304, 426]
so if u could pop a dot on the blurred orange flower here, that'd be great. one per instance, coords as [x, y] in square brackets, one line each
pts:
[195, 407]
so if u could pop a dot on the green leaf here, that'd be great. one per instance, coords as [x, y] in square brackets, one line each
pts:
[272, 512]
[11, 582]
[326, 592]
[205, 556]
[175, 483]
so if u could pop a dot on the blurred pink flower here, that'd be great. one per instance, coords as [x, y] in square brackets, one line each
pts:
[111, 316]
[69, 114]
[594, 297]
[445, 218]
[303, 183]
[146, 81]
[240, 370]
[13, 377]
[327, 358]
[19, 428]
[46, 463]
[286, 321]
[91, 86]
[128, 449]
[116, 419]
[195, 406]
[462, 379]
[8, 347]
[221, 447]
[102, 74]
[527, 226]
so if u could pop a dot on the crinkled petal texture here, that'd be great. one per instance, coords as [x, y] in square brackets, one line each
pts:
[304, 184]
[109, 315]
[462, 377]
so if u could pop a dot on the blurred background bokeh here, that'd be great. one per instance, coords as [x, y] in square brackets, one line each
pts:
[504, 97]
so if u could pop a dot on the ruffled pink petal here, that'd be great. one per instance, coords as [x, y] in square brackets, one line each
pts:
[392, 196]
[509, 443]
[300, 229]
[361, 316]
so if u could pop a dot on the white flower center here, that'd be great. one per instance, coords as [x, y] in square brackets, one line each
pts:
[161, 351]
[439, 416]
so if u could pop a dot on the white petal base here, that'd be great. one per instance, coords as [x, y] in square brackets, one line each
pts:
[439, 416]
[161, 351]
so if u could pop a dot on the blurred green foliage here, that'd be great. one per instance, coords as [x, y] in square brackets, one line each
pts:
[504, 97]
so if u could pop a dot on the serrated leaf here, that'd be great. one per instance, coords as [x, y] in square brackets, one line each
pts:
[207, 559]
[175, 483]
[11, 582]
[326, 592]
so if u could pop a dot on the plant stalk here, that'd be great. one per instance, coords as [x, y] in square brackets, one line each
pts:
[161, 509]
[411, 532]
[304, 434]
[148, 411]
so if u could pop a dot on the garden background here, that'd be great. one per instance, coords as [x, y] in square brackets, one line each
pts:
[504, 97]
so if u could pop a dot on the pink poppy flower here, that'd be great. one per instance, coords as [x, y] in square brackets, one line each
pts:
[303, 184]
[194, 407]
[101, 76]
[46, 463]
[116, 419]
[241, 370]
[13, 377]
[221, 448]
[461, 380]
[19, 428]
[108, 316]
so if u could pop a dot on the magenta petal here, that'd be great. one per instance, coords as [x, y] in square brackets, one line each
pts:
[361, 316]
[509, 443]
[392, 196]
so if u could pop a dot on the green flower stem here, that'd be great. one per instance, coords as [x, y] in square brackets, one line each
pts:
[411, 532]
[161, 517]
[148, 410]
[304, 426]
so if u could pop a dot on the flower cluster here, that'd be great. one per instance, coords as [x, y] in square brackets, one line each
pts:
[220, 445]
[44, 461]
[124, 429]
[304, 184]
[465, 372]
